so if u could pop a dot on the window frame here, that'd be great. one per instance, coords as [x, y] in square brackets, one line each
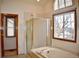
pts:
[75, 25]
[7, 27]
[65, 5]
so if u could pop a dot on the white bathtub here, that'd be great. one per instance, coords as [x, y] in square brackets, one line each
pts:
[48, 52]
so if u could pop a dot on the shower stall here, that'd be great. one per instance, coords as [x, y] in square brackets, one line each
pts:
[37, 33]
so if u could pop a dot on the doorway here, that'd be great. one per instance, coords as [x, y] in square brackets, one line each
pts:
[9, 34]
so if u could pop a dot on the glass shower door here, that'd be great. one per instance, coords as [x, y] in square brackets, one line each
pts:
[29, 36]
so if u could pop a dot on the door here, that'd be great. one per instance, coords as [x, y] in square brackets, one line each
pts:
[9, 34]
[0, 35]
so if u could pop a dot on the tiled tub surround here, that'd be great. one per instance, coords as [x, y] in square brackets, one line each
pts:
[47, 52]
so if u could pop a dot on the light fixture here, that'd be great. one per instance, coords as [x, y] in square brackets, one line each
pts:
[38, 0]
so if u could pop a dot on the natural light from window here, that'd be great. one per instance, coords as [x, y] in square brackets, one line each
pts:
[62, 4]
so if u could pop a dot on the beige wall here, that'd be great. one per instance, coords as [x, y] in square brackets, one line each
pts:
[0, 4]
[48, 9]
[69, 46]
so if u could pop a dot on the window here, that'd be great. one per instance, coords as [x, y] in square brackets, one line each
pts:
[10, 26]
[62, 4]
[64, 24]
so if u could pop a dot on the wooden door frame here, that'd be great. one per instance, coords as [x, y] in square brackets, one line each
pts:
[2, 32]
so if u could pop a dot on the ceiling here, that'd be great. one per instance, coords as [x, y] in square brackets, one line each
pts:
[42, 3]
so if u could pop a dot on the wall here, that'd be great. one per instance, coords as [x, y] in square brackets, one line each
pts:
[48, 9]
[69, 46]
[22, 8]
[0, 4]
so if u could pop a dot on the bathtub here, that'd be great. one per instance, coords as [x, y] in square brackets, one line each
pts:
[48, 52]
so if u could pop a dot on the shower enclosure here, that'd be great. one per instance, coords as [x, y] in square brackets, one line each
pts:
[37, 33]
[29, 34]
